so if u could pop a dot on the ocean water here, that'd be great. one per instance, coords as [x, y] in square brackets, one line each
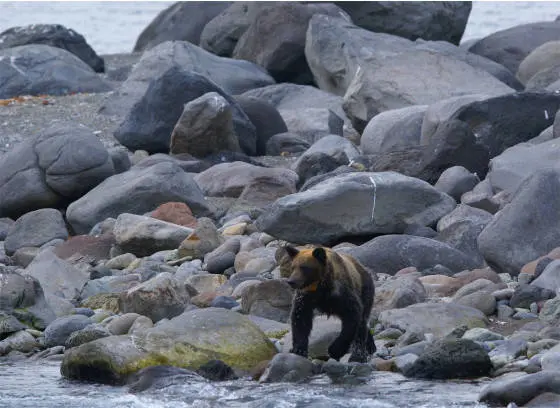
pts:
[113, 26]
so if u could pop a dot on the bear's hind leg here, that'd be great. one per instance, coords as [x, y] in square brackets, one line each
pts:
[360, 347]
[350, 325]
[302, 323]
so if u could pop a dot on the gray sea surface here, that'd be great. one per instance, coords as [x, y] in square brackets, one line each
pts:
[113, 26]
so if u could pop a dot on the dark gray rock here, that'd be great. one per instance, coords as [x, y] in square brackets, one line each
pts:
[275, 39]
[430, 21]
[456, 181]
[449, 359]
[461, 228]
[232, 76]
[182, 21]
[35, 229]
[58, 332]
[504, 121]
[392, 82]
[394, 129]
[356, 207]
[5, 225]
[506, 351]
[205, 127]
[60, 164]
[136, 191]
[391, 253]
[508, 241]
[220, 262]
[286, 143]
[325, 155]
[41, 69]
[54, 35]
[89, 333]
[159, 377]
[524, 295]
[120, 158]
[149, 123]
[509, 47]
[265, 117]
[9, 324]
[225, 302]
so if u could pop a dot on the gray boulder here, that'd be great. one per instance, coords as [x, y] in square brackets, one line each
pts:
[275, 39]
[205, 127]
[58, 332]
[368, 92]
[149, 123]
[504, 121]
[510, 46]
[182, 21]
[40, 69]
[9, 324]
[549, 278]
[398, 293]
[271, 299]
[5, 225]
[544, 56]
[109, 284]
[54, 35]
[394, 129]
[508, 241]
[456, 181]
[337, 151]
[325, 330]
[436, 318]
[22, 341]
[313, 123]
[427, 20]
[232, 76]
[357, 206]
[448, 359]
[518, 163]
[143, 236]
[544, 78]
[286, 143]
[287, 367]
[89, 333]
[137, 191]
[35, 229]
[161, 297]
[391, 253]
[63, 162]
[230, 179]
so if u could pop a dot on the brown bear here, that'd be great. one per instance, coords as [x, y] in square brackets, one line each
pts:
[334, 284]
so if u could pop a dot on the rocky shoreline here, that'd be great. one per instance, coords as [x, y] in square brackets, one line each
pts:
[143, 200]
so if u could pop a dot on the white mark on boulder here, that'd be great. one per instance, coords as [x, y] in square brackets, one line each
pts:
[374, 196]
[13, 64]
[546, 114]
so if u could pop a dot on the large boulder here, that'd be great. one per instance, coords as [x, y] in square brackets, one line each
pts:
[60, 330]
[379, 72]
[149, 123]
[41, 69]
[510, 46]
[35, 229]
[436, 318]
[162, 297]
[427, 20]
[517, 163]
[62, 163]
[527, 227]
[232, 76]
[449, 359]
[205, 127]
[504, 121]
[390, 253]
[543, 57]
[182, 21]
[275, 39]
[54, 35]
[354, 204]
[188, 340]
[230, 179]
[137, 191]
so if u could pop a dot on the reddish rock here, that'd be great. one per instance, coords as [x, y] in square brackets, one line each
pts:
[176, 213]
[204, 299]
[484, 273]
[530, 267]
[406, 271]
[96, 247]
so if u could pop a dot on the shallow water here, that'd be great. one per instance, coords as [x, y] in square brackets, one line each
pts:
[113, 27]
[39, 385]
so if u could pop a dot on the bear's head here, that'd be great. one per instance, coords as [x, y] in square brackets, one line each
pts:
[308, 267]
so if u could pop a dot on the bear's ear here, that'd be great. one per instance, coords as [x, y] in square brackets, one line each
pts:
[292, 251]
[321, 255]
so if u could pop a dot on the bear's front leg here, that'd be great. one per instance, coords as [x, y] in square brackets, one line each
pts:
[302, 323]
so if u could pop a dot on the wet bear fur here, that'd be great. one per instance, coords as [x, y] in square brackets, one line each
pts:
[333, 284]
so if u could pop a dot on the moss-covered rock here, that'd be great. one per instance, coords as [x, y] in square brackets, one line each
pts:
[106, 301]
[188, 341]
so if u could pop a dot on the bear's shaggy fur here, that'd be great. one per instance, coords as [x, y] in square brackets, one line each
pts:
[335, 284]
